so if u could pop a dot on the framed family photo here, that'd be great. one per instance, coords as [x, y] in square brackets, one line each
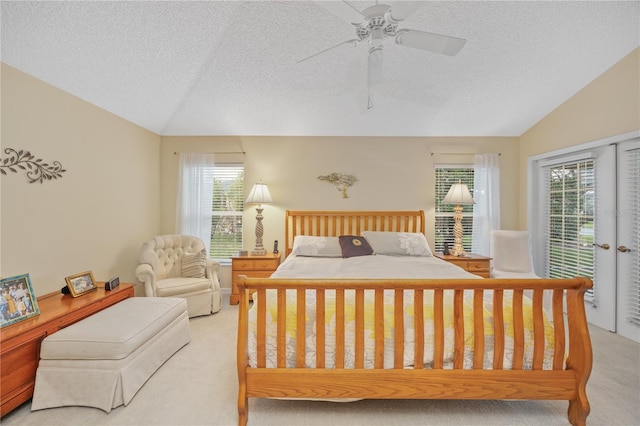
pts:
[81, 283]
[17, 300]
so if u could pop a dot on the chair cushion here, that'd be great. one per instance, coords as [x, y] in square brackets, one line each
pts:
[177, 286]
[193, 264]
[496, 273]
[115, 332]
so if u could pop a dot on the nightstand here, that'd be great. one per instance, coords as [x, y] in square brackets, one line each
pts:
[252, 267]
[474, 263]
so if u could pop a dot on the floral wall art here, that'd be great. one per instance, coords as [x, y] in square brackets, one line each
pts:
[35, 168]
[341, 181]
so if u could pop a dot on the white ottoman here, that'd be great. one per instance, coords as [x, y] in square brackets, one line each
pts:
[103, 360]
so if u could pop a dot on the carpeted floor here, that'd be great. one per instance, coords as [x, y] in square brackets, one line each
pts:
[198, 386]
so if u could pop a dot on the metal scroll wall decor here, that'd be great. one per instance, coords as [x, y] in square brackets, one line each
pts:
[341, 181]
[35, 169]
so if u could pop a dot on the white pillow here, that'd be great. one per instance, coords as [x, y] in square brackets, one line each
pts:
[398, 243]
[307, 245]
[193, 265]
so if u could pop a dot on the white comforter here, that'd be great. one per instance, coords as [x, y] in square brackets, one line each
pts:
[380, 266]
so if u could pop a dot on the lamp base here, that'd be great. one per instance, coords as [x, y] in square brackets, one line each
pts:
[259, 250]
[458, 251]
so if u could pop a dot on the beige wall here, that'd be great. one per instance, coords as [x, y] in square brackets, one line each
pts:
[393, 173]
[120, 184]
[98, 214]
[608, 106]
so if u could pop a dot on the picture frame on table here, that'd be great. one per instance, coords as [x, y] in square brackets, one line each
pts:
[81, 283]
[17, 300]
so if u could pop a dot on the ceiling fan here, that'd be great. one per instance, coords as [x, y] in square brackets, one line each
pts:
[379, 22]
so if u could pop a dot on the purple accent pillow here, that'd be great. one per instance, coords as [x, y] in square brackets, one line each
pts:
[352, 245]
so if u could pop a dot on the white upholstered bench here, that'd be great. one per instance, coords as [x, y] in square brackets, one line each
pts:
[103, 360]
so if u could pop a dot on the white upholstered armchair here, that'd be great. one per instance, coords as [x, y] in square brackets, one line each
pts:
[511, 253]
[177, 266]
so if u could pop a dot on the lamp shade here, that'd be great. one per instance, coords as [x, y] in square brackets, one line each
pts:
[259, 194]
[458, 194]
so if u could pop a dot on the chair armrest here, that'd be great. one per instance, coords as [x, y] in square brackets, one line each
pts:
[145, 274]
[211, 271]
[213, 265]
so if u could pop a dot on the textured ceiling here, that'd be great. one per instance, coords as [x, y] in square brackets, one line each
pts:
[230, 67]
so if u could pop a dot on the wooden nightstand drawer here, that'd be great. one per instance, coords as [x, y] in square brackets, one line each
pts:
[252, 267]
[477, 266]
[243, 265]
[266, 264]
[474, 263]
[256, 265]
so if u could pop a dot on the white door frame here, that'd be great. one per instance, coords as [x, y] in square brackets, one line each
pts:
[537, 221]
[533, 184]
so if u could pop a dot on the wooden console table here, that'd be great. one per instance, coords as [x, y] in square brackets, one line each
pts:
[20, 342]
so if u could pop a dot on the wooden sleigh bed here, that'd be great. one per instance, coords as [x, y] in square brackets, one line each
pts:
[557, 365]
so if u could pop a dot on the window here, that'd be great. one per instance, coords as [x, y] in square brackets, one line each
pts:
[447, 175]
[228, 205]
[570, 230]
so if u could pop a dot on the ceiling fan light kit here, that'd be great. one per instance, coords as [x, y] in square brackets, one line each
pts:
[379, 22]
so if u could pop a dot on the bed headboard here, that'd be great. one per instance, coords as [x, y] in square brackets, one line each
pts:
[336, 223]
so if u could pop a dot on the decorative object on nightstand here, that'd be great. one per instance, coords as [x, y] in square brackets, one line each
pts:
[259, 195]
[458, 194]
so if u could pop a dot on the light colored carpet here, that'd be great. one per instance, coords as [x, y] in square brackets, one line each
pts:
[198, 386]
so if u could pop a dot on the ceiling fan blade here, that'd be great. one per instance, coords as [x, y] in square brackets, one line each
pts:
[343, 10]
[436, 43]
[374, 68]
[353, 42]
[401, 10]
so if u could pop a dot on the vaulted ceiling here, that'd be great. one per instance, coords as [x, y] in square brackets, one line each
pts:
[231, 67]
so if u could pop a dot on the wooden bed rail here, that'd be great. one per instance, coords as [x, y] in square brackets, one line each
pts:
[566, 380]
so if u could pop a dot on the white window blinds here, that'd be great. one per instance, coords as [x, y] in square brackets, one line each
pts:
[228, 205]
[633, 176]
[569, 189]
[447, 175]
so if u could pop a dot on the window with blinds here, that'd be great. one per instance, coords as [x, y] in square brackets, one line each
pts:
[633, 176]
[570, 219]
[228, 205]
[447, 175]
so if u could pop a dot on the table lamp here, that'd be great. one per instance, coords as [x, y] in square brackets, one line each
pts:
[458, 194]
[259, 195]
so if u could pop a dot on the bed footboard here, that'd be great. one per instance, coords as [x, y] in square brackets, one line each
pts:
[563, 377]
